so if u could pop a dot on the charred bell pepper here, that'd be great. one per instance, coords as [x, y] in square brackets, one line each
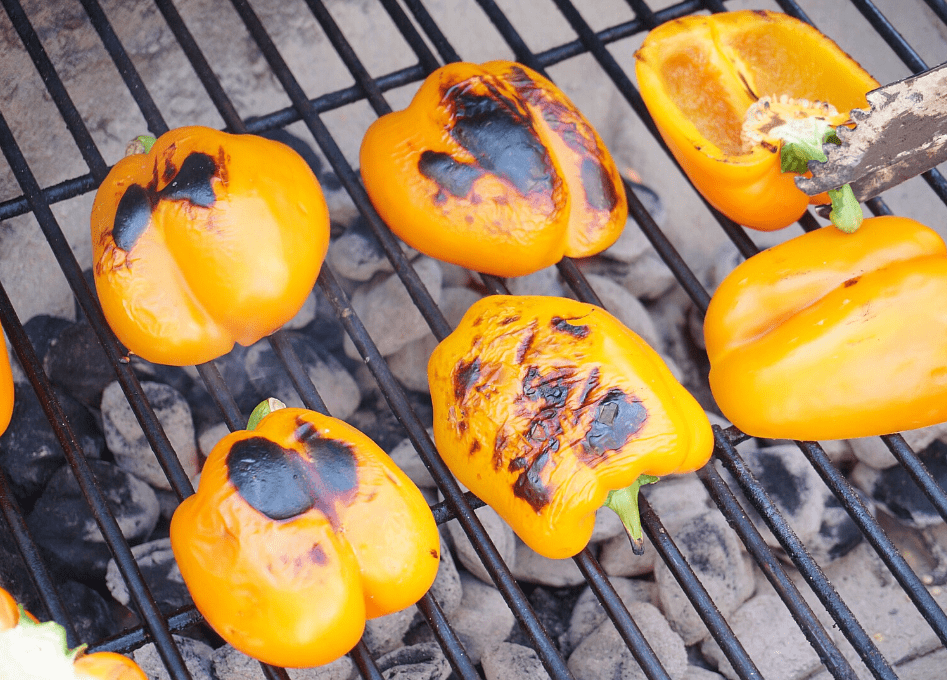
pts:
[492, 167]
[832, 335]
[30, 650]
[6, 387]
[740, 96]
[301, 528]
[203, 240]
[547, 408]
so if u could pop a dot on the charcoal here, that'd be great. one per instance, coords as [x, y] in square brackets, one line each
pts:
[335, 384]
[508, 661]
[77, 362]
[160, 571]
[62, 523]
[419, 662]
[126, 439]
[29, 450]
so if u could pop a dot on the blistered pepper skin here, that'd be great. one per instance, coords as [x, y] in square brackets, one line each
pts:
[6, 387]
[206, 240]
[491, 167]
[543, 405]
[300, 530]
[834, 336]
[699, 75]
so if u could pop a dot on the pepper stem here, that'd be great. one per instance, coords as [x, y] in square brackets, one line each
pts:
[141, 144]
[625, 503]
[262, 410]
[802, 142]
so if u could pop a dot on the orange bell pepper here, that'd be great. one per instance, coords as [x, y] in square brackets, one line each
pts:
[834, 336]
[491, 167]
[547, 408]
[205, 240]
[729, 91]
[6, 387]
[30, 650]
[302, 528]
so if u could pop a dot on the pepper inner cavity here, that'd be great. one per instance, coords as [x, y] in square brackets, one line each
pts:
[773, 119]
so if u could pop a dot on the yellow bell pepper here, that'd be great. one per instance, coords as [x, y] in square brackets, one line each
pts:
[491, 167]
[547, 408]
[6, 387]
[832, 335]
[729, 91]
[300, 530]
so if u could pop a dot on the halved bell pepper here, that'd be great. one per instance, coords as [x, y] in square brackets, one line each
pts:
[729, 90]
[301, 528]
[30, 650]
[6, 387]
[205, 240]
[832, 335]
[491, 167]
[547, 408]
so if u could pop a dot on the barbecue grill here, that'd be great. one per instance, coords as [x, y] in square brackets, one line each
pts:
[431, 47]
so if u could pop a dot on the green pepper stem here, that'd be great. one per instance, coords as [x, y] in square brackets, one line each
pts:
[141, 144]
[625, 504]
[802, 142]
[262, 410]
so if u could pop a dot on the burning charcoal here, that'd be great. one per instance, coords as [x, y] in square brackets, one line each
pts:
[62, 523]
[544, 282]
[389, 314]
[898, 495]
[716, 555]
[126, 440]
[499, 532]
[419, 662]
[553, 606]
[792, 484]
[14, 575]
[335, 384]
[91, 615]
[618, 559]
[872, 451]
[407, 458]
[604, 655]
[30, 452]
[386, 633]
[77, 362]
[531, 567]
[42, 330]
[161, 574]
[229, 664]
[757, 623]
[198, 657]
[375, 418]
[232, 369]
[357, 255]
[619, 301]
[588, 613]
[838, 534]
[483, 618]
[506, 661]
[409, 364]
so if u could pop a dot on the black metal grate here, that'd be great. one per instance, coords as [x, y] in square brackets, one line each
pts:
[421, 31]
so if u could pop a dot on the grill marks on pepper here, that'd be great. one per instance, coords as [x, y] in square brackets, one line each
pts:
[282, 484]
[191, 183]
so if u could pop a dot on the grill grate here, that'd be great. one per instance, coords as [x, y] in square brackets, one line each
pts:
[420, 31]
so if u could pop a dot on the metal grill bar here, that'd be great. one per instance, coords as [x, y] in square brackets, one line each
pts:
[457, 505]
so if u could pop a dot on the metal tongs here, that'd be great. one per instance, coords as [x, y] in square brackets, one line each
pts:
[902, 134]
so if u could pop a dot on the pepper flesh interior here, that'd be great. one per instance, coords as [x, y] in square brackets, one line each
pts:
[772, 119]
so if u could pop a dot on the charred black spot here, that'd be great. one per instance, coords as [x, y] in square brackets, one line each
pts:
[552, 388]
[563, 326]
[317, 555]
[475, 446]
[331, 469]
[466, 375]
[502, 140]
[131, 217]
[530, 485]
[599, 190]
[522, 350]
[455, 178]
[510, 319]
[434, 554]
[269, 478]
[617, 419]
[193, 182]
[851, 282]
[590, 384]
